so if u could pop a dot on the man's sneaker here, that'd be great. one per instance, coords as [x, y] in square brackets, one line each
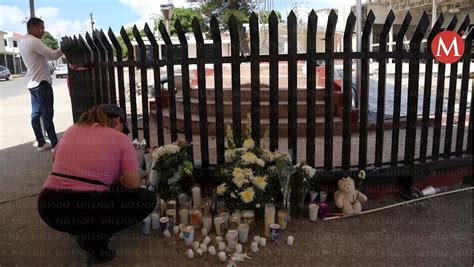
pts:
[46, 146]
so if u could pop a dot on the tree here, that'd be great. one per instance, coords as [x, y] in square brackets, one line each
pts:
[266, 14]
[130, 35]
[50, 41]
[186, 16]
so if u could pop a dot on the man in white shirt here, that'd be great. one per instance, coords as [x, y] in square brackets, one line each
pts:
[35, 55]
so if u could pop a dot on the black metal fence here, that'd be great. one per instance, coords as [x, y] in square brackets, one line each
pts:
[104, 78]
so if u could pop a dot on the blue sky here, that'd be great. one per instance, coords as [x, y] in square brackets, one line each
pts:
[68, 17]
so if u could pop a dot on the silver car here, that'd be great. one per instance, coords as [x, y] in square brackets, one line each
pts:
[4, 73]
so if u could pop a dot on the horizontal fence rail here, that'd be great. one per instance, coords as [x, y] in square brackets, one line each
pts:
[103, 80]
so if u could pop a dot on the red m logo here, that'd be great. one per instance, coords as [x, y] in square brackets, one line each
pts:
[447, 47]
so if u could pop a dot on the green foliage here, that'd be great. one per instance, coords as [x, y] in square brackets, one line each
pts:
[186, 16]
[129, 32]
[50, 41]
[266, 14]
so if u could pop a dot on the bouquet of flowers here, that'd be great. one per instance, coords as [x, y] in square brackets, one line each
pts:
[172, 162]
[302, 179]
[248, 175]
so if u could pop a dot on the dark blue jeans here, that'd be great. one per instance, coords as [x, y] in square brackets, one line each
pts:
[42, 101]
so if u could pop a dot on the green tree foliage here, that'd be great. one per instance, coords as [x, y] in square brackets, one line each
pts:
[50, 41]
[186, 16]
[129, 32]
[266, 14]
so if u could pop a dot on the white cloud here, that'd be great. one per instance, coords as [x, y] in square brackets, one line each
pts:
[145, 8]
[13, 19]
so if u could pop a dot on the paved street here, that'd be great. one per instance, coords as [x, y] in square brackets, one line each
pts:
[15, 111]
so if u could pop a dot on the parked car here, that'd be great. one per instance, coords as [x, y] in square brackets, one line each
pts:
[4, 73]
[61, 71]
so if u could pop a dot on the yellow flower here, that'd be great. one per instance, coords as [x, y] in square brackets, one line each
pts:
[260, 182]
[239, 177]
[221, 189]
[249, 158]
[247, 195]
[249, 143]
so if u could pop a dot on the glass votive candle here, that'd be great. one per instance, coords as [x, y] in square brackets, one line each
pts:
[248, 217]
[171, 204]
[232, 238]
[196, 193]
[207, 222]
[225, 215]
[234, 220]
[184, 215]
[182, 198]
[219, 225]
[188, 234]
[196, 216]
[243, 230]
[283, 219]
[206, 204]
[171, 214]
[220, 205]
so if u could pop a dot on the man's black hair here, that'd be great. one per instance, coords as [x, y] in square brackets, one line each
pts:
[33, 22]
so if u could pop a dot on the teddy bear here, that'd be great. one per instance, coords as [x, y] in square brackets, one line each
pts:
[348, 198]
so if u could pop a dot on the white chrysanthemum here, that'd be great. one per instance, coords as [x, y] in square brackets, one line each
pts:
[172, 149]
[247, 195]
[221, 189]
[239, 177]
[249, 158]
[362, 174]
[309, 171]
[240, 150]
[229, 155]
[260, 163]
[260, 182]
[158, 153]
[249, 143]
[268, 156]
[248, 174]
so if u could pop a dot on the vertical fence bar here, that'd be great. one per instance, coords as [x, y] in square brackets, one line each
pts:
[144, 84]
[235, 52]
[347, 95]
[427, 89]
[274, 74]
[111, 70]
[311, 90]
[188, 123]
[439, 101]
[364, 98]
[73, 55]
[120, 78]
[170, 74]
[255, 77]
[91, 93]
[329, 91]
[382, 80]
[292, 90]
[464, 91]
[131, 79]
[95, 70]
[103, 76]
[413, 80]
[397, 100]
[471, 122]
[201, 93]
[218, 93]
[452, 97]
[157, 83]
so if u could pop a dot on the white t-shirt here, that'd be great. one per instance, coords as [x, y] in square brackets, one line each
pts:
[35, 55]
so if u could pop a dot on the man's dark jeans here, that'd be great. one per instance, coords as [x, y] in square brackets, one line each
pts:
[42, 101]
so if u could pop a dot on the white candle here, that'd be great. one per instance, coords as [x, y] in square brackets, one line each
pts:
[269, 218]
[207, 222]
[162, 206]
[199, 251]
[181, 236]
[243, 229]
[146, 225]
[204, 231]
[222, 256]
[254, 247]
[231, 237]
[176, 229]
[171, 214]
[290, 240]
[212, 250]
[196, 191]
[182, 227]
[207, 240]
[238, 248]
[184, 216]
[219, 225]
[188, 235]
[155, 221]
[313, 212]
[218, 239]
[203, 246]
[167, 234]
[195, 245]
[221, 246]
[190, 253]
[225, 215]
[263, 242]
[256, 238]
[322, 196]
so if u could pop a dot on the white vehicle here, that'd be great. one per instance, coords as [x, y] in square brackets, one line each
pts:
[61, 71]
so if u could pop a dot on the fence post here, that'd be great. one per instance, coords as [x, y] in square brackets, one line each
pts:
[274, 74]
[311, 90]
[235, 55]
[255, 77]
[120, 78]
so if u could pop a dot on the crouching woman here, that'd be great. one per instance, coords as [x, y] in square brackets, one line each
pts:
[92, 191]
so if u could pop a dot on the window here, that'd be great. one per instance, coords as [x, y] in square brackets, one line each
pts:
[15, 44]
[6, 43]
[2, 68]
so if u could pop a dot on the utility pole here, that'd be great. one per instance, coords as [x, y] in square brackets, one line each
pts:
[32, 8]
[92, 23]
[433, 14]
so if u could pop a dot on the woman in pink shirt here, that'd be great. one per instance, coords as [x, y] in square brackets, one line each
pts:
[92, 191]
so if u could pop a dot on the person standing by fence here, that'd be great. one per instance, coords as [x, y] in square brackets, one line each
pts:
[35, 55]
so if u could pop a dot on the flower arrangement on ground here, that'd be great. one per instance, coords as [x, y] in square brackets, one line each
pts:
[172, 162]
[249, 174]
[303, 178]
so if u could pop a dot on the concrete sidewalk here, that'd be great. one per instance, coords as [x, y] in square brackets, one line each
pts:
[432, 232]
